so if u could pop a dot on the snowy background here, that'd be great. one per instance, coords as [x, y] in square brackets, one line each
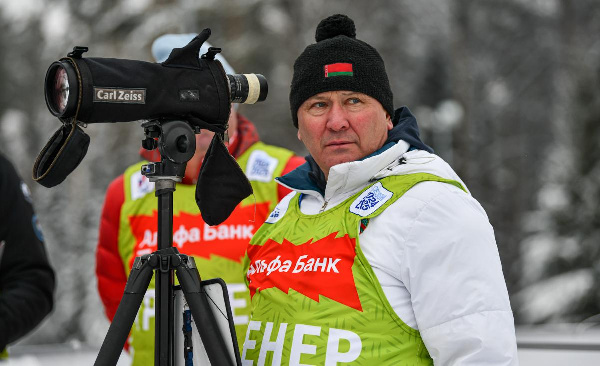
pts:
[507, 91]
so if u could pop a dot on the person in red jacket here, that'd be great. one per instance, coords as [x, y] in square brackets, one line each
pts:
[128, 223]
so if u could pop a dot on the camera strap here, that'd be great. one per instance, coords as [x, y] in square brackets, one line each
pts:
[64, 151]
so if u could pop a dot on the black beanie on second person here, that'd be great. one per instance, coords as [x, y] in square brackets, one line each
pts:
[339, 61]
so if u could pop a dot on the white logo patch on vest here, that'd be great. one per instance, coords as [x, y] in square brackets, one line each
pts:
[370, 200]
[261, 166]
[140, 186]
[280, 209]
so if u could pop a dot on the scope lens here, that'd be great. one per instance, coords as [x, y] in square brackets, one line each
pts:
[60, 89]
[60, 92]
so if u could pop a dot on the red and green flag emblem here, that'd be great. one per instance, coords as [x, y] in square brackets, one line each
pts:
[338, 69]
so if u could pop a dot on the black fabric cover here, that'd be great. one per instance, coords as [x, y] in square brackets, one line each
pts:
[221, 185]
[182, 87]
[61, 155]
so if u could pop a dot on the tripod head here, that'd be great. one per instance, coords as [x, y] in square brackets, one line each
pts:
[221, 184]
[176, 143]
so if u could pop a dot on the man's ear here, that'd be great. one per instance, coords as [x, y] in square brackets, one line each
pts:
[389, 122]
[299, 136]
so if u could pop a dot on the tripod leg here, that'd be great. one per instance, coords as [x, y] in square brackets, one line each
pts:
[215, 346]
[115, 338]
[163, 344]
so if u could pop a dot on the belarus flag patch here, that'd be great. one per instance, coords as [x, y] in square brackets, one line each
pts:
[338, 69]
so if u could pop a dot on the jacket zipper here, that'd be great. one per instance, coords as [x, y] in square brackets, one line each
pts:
[323, 207]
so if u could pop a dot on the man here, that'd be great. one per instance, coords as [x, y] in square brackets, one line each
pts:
[26, 277]
[380, 256]
[128, 226]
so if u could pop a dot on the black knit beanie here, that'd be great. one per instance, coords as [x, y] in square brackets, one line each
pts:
[339, 61]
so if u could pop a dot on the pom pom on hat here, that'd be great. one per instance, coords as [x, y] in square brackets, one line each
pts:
[335, 25]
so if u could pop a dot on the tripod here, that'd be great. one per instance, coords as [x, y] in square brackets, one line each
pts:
[177, 144]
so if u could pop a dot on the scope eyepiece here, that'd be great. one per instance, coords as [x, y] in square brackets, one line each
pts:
[61, 89]
[247, 88]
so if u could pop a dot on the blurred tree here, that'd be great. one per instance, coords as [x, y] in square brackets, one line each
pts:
[502, 65]
[560, 255]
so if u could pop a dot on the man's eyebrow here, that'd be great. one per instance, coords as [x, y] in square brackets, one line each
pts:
[318, 97]
[350, 93]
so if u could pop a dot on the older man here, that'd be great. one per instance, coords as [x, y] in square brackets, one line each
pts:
[380, 255]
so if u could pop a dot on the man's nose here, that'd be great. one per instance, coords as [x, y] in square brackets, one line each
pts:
[337, 119]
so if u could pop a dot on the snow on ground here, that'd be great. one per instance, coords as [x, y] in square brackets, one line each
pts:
[548, 346]
[56, 355]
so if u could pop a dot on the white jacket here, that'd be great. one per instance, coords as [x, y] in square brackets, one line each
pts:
[435, 255]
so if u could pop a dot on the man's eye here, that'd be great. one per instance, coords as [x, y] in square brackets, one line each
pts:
[319, 105]
[353, 100]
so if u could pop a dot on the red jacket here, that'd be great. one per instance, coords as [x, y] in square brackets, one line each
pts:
[111, 275]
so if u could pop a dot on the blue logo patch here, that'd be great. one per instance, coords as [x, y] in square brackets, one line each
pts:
[275, 213]
[280, 209]
[261, 166]
[370, 200]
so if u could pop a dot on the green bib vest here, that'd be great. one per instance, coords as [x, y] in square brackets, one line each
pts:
[315, 297]
[217, 250]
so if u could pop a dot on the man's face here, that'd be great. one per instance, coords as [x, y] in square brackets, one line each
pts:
[341, 126]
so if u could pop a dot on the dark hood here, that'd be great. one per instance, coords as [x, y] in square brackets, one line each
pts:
[406, 128]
